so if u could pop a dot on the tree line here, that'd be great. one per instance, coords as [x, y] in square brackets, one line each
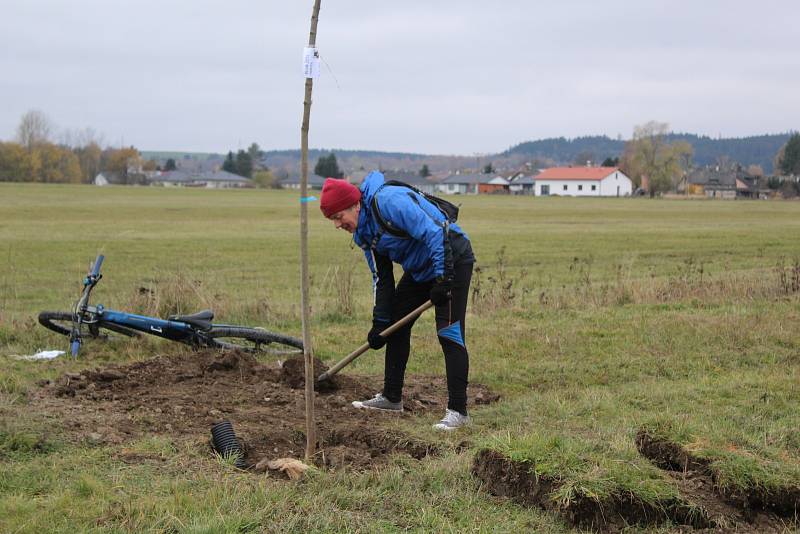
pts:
[657, 162]
[757, 150]
[77, 158]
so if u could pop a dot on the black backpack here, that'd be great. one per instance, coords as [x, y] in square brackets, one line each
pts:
[448, 209]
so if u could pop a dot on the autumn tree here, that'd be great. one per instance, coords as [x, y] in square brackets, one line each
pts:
[649, 155]
[265, 178]
[119, 160]
[16, 163]
[58, 164]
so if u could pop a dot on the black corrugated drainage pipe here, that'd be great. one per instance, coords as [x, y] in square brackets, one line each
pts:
[226, 444]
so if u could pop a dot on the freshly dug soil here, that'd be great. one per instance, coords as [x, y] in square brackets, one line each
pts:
[182, 397]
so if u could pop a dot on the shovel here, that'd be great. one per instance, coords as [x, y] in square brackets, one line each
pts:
[363, 348]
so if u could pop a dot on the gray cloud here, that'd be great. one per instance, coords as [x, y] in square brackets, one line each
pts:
[444, 77]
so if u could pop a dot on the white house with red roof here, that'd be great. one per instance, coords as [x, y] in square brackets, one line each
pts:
[583, 182]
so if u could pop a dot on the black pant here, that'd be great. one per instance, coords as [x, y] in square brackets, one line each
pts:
[408, 296]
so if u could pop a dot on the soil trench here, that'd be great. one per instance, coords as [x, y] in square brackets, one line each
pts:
[182, 397]
[507, 478]
[750, 511]
[700, 507]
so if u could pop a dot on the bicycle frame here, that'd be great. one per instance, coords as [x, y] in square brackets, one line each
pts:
[88, 315]
[196, 329]
[172, 330]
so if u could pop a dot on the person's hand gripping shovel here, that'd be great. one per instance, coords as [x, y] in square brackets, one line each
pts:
[363, 348]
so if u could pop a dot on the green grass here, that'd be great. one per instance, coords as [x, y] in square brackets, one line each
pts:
[593, 318]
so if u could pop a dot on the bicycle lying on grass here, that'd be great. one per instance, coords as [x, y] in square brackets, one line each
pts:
[196, 329]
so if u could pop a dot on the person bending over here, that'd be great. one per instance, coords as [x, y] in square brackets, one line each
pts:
[437, 260]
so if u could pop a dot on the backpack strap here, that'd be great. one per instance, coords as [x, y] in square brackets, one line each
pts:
[385, 225]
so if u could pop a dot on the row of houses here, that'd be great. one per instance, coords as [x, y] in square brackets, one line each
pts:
[727, 182]
[577, 181]
[555, 181]
[179, 178]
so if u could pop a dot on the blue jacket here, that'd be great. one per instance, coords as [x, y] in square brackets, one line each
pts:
[422, 256]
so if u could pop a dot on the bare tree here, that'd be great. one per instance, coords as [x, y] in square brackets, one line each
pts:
[34, 128]
[80, 138]
[755, 170]
[650, 155]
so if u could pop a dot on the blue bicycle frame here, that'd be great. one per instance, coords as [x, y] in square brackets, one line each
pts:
[196, 330]
[174, 330]
[84, 314]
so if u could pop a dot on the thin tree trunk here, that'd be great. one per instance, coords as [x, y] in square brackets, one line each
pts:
[311, 431]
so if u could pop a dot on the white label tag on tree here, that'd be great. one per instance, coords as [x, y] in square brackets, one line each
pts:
[311, 62]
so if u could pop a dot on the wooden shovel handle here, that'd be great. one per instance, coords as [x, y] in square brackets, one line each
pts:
[363, 348]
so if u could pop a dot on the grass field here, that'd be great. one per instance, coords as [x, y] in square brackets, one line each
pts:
[594, 319]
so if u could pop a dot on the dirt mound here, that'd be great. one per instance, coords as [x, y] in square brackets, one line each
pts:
[293, 372]
[182, 397]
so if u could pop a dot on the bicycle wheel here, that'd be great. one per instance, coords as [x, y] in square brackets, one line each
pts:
[253, 340]
[61, 323]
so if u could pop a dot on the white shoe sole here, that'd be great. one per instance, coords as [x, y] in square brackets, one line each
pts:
[361, 406]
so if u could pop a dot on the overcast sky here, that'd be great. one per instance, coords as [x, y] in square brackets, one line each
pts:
[436, 77]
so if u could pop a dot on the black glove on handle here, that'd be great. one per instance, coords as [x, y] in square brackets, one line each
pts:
[374, 337]
[440, 291]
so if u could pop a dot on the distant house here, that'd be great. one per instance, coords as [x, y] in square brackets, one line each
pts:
[172, 178]
[583, 182]
[521, 185]
[222, 179]
[293, 182]
[473, 184]
[118, 178]
[717, 182]
[208, 179]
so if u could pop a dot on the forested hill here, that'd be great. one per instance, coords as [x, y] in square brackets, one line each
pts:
[758, 150]
[753, 150]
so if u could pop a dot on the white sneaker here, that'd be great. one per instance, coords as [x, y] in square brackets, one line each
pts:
[379, 402]
[451, 421]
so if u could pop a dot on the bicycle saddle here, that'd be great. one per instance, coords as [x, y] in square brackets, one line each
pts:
[201, 319]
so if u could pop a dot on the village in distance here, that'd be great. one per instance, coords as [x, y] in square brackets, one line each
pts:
[653, 162]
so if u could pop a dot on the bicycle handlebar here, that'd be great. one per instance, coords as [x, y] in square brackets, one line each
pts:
[97, 263]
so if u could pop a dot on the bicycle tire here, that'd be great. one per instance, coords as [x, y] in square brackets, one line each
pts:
[61, 323]
[253, 340]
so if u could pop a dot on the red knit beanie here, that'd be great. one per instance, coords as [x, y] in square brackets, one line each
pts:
[337, 195]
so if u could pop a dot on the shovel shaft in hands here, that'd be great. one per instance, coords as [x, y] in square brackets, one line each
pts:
[363, 348]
